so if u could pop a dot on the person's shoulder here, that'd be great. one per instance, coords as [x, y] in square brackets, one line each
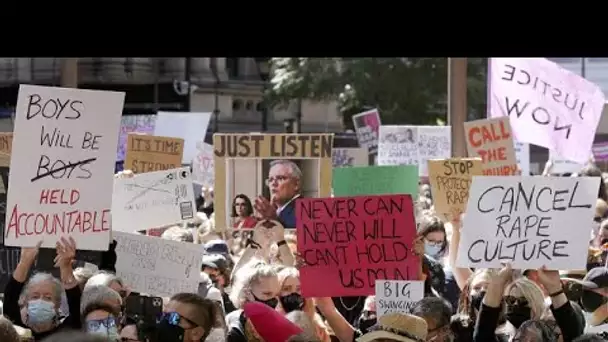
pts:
[233, 317]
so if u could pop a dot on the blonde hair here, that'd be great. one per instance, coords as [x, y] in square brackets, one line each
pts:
[287, 272]
[302, 320]
[532, 293]
[247, 276]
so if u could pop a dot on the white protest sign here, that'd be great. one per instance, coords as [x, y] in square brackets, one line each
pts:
[397, 296]
[522, 154]
[152, 199]
[191, 127]
[561, 165]
[62, 166]
[528, 221]
[157, 266]
[548, 105]
[203, 170]
[434, 142]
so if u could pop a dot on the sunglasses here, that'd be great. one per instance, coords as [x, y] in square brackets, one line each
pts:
[512, 301]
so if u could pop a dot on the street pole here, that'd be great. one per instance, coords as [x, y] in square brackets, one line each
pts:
[216, 95]
[187, 78]
[69, 72]
[457, 104]
[298, 123]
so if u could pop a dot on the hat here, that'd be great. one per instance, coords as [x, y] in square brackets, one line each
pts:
[269, 324]
[594, 279]
[398, 327]
[216, 247]
[216, 261]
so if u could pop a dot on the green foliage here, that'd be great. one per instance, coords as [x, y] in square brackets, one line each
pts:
[405, 90]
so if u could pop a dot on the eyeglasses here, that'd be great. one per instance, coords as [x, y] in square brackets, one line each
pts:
[512, 301]
[278, 179]
[94, 325]
[174, 318]
[434, 243]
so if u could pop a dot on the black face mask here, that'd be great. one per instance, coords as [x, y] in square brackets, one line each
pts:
[366, 323]
[292, 302]
[168, 332]
[591, 301]
[476, 300]
[272, 302]
[518, 314]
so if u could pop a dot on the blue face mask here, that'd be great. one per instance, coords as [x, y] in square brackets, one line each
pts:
[104, 327]
[40, 311]
[432, 250]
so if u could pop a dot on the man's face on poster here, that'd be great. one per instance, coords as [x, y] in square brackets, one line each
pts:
[281, 183]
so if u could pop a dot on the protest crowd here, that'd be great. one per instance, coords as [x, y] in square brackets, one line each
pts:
[420, 247]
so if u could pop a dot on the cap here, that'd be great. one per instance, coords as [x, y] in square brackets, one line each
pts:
[594, 279]
[216, 261]
[216, 247]
[269, 324]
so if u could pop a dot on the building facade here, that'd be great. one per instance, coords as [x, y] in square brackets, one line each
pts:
[232, 87]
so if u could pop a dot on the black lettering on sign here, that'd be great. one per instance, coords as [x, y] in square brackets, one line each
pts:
[54, 108]
[59, 169]
[235, 146]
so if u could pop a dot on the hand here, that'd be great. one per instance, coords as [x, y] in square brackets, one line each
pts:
[265, 209]
[418, 246]
[277, 232]
[325, 304]
[550, 279]
[66, 252]
[29, 254]
[300, 261]
[208, 194]
[504, 276]
[262, 235]
[456, 216]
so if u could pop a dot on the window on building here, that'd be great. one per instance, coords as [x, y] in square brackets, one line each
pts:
[237, 105]
[232, 67]
[259, 107]
[249, 105]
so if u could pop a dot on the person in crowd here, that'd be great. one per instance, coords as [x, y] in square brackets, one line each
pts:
[215, 266]
[35, 303]
[197, 315]
[242, 213]
[75, 336]
[268, 325]
[82, 275]
[368, 316]
[591, 170]
[206, 289]
[591, 338]
[291, 300]
[524, 301]
[101, 319]
[285, 185]
[220, 247]
[129, 332]
[257, 282]
[308, 326]
[433, 232]
[437, 313]
[594, 299]
[469, 304]
[177, 233]
[397, 327]
[8, 333]
[537, 330]
[110, 280]
[100, 295]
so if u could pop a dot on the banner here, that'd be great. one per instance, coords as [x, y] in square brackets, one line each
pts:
[366, 126]
[149, 153]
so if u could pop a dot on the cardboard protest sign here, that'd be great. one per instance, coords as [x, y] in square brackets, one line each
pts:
[62, 165]
[397, 296]
[547, 105]
[375, 180]
[492, 141]
[522, 155]
[202, 165]
[528, 221]
[366, 126]
[277, 167]
[133, 124]
[450, 181]
[152, 199]
[192, 127]
[6, 146]
[348, 243]
[157, 267]
[347, 157]
[149, 153]
[413, 145]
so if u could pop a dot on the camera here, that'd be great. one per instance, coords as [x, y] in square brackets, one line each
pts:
[146, 313]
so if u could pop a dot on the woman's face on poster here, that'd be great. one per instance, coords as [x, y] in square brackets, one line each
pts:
[240, 206]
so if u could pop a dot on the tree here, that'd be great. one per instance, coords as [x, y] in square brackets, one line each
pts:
[405, 90]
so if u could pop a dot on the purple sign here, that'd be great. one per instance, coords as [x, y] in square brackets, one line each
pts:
[133, 124]
[600, 151]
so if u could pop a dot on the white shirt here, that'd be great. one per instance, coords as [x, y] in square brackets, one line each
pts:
[286, 204]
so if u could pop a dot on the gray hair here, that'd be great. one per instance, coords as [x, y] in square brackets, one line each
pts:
[103, 278]
[437, 309]
[247, 276]
[177, 233]
[295, 170]
[98, 294]
[83, 274]
[302, 320]
[38, 278]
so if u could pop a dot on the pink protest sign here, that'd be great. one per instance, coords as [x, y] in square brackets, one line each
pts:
[367, 125]
[548, 105]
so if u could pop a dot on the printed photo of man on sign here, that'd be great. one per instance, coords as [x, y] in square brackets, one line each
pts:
[259, 176]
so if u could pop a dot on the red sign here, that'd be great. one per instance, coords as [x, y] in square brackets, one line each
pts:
[349, 242]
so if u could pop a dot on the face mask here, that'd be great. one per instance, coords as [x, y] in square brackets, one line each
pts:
[476, 299]
[366, 323]
[167, 332]
[104, 327]
[432, 250]
[40, 311]
[292, 302]
[272, 302]
[591, 301]
[517, 314]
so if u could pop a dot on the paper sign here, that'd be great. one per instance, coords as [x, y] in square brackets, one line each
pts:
[561, 165]
[347, 157]
[6, 146]
[450, 181]
[548, 105]
[528, 222]
[192, 127]
[277, 167]
[62, 165]
[152, 199]
[375, 180]
[522, 154]
[492, 141]
[133, 124]
[397, 296]
[366, 126]
[157, 267]
[350, 242]
[413, 145]
[149, 153]
[202, 166]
